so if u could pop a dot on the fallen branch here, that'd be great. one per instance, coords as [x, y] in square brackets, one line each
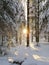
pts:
[17, 62]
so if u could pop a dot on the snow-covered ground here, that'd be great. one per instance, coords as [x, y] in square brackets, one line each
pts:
[32, 55]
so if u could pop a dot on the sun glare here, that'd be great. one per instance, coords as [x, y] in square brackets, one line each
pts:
[16, 53]
[10, 59]
[41, 58]
[33, 47]
[25, 31]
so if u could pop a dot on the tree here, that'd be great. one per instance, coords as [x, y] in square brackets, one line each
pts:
[43, 24]
[27, 23]
[37, 21]
[11, 16]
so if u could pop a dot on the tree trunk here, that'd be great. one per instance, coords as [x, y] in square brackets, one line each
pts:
[2, 40]
[27, 23]
[16, 37]
[48, 36]
[37, 23]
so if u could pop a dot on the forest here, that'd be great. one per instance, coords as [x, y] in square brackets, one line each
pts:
[24, 32]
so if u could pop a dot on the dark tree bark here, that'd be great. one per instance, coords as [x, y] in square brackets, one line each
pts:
[37, 23]
[27, 23]
[48, 36]
[2, 40]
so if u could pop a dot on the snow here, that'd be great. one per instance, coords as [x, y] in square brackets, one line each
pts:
[32, 55]
[4, 61]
